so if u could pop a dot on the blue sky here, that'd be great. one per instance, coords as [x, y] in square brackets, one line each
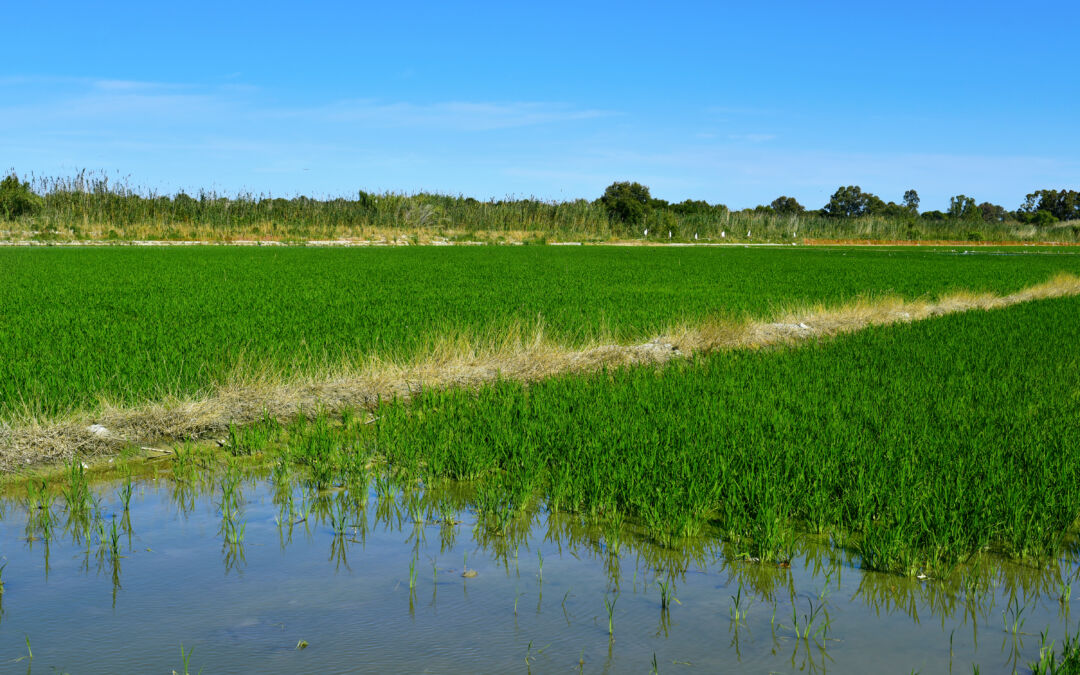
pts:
[729, 102]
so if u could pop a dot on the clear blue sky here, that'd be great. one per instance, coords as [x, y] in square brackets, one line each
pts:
[730, 102]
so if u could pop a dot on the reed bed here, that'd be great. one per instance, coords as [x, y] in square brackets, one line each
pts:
[95, 206]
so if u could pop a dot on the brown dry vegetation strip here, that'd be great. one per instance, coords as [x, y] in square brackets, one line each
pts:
[457, 363]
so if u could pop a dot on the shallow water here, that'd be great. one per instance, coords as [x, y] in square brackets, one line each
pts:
[537, 602]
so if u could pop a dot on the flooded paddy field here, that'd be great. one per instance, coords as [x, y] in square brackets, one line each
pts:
[891, 496]
[247, 572]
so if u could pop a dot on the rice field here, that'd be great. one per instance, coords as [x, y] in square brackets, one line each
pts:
[79, 326]
[810, 503]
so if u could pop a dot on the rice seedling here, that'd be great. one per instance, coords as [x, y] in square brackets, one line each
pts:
[810, 624]
[185, 661]
[114, 541]
[29, 652]
[1012, 616]
[1050, 663]
[667, 593]
[609, 607]
[77, 492]
[127, 488]
[738, 608]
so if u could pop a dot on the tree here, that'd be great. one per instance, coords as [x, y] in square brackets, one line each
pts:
[787, 206]
[1042, 218]
[911, 202]
[627, 202]
[1061, 204]
[16, 198]
[962, 207]
[852, 202]
[992, 213]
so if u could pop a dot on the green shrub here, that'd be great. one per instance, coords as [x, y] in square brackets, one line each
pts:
[16, 198]
[627, 202]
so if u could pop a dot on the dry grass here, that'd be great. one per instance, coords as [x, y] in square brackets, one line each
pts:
[458, 361]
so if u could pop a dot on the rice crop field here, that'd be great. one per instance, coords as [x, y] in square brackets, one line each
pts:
[913, 447]
[899, 492]
[79, 326]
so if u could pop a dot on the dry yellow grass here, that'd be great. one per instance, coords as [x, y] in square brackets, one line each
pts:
[458, 361]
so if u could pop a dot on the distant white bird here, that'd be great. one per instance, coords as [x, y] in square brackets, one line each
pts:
[722, 234]
[748, 233]
[695, 236]
[646, 231]
[669, 234]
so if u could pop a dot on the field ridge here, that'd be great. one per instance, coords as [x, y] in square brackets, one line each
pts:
[518, 356]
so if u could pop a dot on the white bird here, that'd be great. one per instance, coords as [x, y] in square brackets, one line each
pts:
[695, 236]
[646, 231]
[748, 233]
[722, 234]
[669, 234]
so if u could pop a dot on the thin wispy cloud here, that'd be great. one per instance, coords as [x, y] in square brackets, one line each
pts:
[752, 138]
[448, 115]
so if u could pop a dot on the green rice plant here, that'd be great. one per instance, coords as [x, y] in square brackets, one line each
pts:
[667, 593]
[185, 661]
[609, 607]
[914, 462]
[114, 541]
[184, 463]
[127, 488]
[738, 609]
[339, 515]
[1013, 616]
[29, 652]
[815, 622]
[77, 492]
[268, 316]
[1050, 663]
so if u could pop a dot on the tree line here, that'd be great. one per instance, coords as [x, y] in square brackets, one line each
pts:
[92, 206]
[631, 202]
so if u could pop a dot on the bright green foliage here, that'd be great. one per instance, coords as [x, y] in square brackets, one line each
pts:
[852, 202]
[16, 198]
[962, 207]
[1059, 204]
[627, 202]
[787, 206]
[130, 324]
[915, 445]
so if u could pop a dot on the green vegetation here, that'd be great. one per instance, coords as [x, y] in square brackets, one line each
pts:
[913, 446]
[1051, 663]
[95, 206]
[132, 324]
[17, 199]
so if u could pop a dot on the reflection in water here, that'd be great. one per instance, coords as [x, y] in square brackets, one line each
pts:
[789, 611]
